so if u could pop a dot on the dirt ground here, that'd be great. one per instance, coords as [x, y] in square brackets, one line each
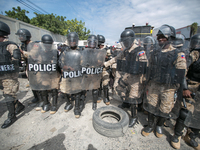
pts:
[62, 131]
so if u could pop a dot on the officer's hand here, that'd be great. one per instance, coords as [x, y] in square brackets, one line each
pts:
[21, 51]
[187, 93]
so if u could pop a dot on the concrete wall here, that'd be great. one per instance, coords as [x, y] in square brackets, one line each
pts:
[36, 32]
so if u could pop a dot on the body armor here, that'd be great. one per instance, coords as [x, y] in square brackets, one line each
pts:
[7, 65]
[194, 71]
[163, 69]
[5, 56]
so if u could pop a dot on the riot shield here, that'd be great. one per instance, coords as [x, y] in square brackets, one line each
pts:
[92, 67]
[69, 62]
[42, 66]
[193, 117]
[164, 79]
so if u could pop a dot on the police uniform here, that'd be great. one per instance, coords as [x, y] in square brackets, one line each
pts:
[10, 57]
[167, 67]
[189, 116]
[70, 85]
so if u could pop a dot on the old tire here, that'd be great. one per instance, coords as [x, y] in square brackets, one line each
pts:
[115, 125]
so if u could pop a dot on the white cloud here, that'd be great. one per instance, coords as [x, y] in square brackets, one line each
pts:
[110, 17]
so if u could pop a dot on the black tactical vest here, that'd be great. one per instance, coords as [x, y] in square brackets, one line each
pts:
[133, 65]
[194, 71]
[5, 55]
[163, 69]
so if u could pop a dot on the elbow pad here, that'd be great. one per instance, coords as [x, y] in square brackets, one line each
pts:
[17, 54]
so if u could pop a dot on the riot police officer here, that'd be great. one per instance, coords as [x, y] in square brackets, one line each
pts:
[9, 61]
[53, 54]
[106, 72]
[167, 67]
[131, 63]
[70, 85]
[190, 115]
[43, 72]
[93, 60]
[25, 37]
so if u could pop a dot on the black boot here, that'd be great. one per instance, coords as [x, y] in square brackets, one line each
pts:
[54, 101]
[99, 95]
[82, 100]
[95, 97]
[147, 130]
[68, 105]
[176, 139]
[159, 127]
[41, 102]
[19, 107]
[77, 111]
[35, 100]
[11, 112]
[46, 106]
[124, 105]
[106, 95]
[133, 120]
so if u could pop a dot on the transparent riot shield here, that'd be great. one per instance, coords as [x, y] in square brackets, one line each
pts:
[92, 67]
[193, 117]
[42, 66]
[71, 71]
[163, 80]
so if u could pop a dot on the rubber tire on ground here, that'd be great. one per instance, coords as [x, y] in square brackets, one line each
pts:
[110, 129]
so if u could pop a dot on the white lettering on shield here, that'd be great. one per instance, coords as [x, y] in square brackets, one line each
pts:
[91, 70]
[42, 67]
[71, 74]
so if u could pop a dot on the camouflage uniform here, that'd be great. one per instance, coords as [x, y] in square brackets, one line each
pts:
[10, 82]
[134, 83]
[10, 87]
[189, 116]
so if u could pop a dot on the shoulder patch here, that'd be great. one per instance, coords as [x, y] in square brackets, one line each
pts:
[183, 56]
[141, 53]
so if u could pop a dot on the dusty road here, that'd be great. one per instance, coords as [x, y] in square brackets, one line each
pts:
[62, 131]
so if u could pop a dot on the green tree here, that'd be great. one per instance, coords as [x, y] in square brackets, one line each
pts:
[194, 28]
[19, 14]
[77, 26]
[51, 22]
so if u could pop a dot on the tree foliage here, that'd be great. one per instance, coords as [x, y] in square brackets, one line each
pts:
[19, 14]
[77, 26]
[51, 22]
[194, 28]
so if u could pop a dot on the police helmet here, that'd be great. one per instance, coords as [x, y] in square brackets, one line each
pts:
[195, 42]
[148, 40]
[4, 29]
[127, 38]
[179, 41]
[167, 31]
[101, 39]
[72, 39]
[24, 35]
[92, 41]
[47, 39]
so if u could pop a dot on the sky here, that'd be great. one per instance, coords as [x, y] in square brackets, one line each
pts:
[110, 17]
